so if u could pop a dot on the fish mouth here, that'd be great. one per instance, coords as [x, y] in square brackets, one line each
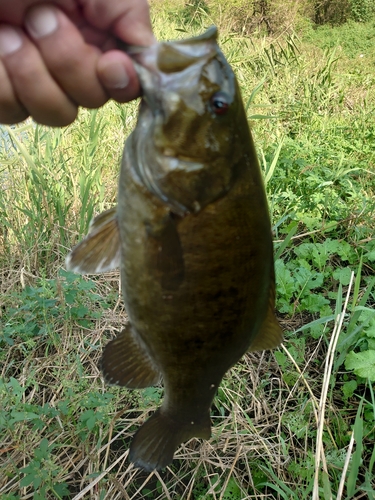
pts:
[175, 56]
[160, 65]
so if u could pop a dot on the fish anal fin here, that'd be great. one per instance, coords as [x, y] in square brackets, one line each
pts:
[270, 334]
[99, 251]
[125, 362]
[156, 441]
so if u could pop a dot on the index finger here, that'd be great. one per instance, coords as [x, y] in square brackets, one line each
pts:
[128, 20]
[13, 11]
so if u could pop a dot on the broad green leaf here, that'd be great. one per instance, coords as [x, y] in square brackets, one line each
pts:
[343, 275]
[348, 388]
[371, 255]
[313, 302]
[19, 416]
[232, 491]
[284, 280]
[362, 363]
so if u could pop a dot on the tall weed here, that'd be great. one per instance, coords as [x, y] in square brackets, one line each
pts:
[54, 180]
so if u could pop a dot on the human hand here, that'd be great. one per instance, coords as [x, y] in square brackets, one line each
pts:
[57, 55]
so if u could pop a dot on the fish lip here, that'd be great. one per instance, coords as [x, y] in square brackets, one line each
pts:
[135, 50]
[155, 75]
[193, 49]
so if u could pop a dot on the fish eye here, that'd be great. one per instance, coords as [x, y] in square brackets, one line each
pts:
[219, 103]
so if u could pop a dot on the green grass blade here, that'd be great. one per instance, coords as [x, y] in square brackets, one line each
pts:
[24, 152]
[357, 455]
[254, 93]
[286, 241]
[271, 169]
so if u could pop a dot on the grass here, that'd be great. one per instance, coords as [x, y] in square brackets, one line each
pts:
[297, 422]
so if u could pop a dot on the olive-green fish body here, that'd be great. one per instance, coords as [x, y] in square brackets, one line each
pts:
[196, 251]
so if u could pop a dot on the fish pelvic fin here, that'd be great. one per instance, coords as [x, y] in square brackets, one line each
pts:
[99, 251]
[156, 441]
[125, 362]
[270, 334]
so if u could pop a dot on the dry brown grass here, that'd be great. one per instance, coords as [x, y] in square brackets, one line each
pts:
[251, 421]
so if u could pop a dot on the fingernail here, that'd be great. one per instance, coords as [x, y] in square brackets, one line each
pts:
[41, 21]
[115, 76]
[10, 40]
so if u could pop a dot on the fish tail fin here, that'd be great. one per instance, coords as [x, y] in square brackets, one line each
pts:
[156, 441]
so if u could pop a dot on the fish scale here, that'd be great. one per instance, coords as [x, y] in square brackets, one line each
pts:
[191, 234]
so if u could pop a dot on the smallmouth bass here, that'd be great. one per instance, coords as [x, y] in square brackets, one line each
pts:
[192, 236]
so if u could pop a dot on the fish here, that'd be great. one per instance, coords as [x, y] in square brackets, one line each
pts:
[191, 234]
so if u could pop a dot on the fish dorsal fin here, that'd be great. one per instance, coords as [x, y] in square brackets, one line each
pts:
[102, 218]
[100, 250]
[125, 362]
[270, 334]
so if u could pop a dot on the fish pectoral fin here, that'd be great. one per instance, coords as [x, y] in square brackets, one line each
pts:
[125, 362]
[100, 250]
[156, 441]
[168, 258]
[270, 334]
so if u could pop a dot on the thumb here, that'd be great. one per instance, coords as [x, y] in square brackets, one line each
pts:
[116, 73]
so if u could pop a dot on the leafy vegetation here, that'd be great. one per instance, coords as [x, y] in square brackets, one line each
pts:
[294, 423]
